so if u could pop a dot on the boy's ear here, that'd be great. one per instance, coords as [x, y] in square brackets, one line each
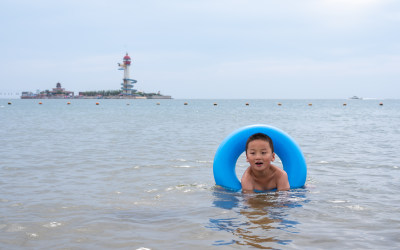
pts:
[273, 156]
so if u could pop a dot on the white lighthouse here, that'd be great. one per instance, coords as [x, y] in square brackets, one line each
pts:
[127, 85]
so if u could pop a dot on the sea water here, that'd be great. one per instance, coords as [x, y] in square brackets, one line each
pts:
[137, 174]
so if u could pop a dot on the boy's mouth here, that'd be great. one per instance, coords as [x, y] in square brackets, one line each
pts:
[258, 164]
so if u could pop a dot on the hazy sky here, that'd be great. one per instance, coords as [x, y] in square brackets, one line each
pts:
[204, 48]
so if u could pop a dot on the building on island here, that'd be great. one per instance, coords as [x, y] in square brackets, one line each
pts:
[60, 92]
[57, 93]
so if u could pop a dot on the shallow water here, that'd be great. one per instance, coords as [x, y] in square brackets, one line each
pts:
[113, 175]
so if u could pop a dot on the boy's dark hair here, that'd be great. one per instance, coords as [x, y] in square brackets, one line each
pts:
[260, 136]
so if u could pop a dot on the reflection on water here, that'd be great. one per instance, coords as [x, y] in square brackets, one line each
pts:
[259, 220]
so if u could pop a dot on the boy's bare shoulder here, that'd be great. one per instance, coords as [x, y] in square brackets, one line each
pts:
[281, 178]
[246, 175]
[247, 181]
[279, 172]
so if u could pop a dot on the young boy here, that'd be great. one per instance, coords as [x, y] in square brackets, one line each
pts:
[262, 175]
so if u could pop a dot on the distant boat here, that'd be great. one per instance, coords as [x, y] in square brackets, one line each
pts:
[355, 98]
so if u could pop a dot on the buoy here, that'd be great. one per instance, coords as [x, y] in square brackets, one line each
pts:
[279, 104]
[40, 102]
[310, 104]
[158, 103]
[185, 103]
[233, 146]
[215, 104]
[68, 103]
[97, 103]
[247, 104]
[344, 104]
[9, 103]
[380, 104]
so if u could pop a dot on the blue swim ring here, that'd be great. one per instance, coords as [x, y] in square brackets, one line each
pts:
[234, 145]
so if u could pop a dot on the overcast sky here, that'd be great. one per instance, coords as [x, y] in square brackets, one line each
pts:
[204, 48]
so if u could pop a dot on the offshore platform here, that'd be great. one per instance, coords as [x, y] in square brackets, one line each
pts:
[127, 85]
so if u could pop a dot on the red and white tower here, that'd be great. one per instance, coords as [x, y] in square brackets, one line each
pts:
[127, 85]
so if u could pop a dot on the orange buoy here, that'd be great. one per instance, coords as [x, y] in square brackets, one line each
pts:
[97, 103]
[247, 104]
[68, 103]
[185, 103]
[9, 103]
[279, 104]
[380, 104]
[40, 102]
[310, 104]
[215, 104]
[344, 104]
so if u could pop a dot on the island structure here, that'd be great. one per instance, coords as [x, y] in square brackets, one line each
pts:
[57, 93]
[127, 90]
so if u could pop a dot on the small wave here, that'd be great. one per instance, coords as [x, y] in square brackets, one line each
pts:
[15, 228]
[323, 162]
[356, 207]
[337, 201]
[187, 187]
[183, 166]
[52, 224]
[180, 160]
[294, 199]
[152, 190]
[33, 235]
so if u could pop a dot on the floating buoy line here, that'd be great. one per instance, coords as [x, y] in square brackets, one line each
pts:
[214, 104]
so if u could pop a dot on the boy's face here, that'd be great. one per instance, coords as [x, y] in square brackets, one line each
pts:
[259, 155]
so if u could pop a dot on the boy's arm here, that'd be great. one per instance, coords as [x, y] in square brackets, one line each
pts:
[247, 184]
[282, 183]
